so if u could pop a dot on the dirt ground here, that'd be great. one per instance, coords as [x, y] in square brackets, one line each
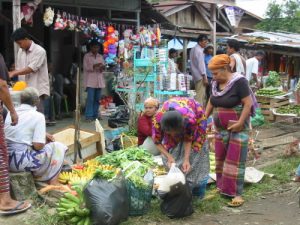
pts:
[276, 208]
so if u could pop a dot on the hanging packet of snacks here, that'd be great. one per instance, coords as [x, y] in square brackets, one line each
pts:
[48, 17]
[181, 82]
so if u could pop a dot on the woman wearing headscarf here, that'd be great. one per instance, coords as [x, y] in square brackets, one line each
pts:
[151, 106]
[179, 132]
[231, 102]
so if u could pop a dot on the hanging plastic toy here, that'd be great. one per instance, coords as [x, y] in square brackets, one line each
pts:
[48, 17]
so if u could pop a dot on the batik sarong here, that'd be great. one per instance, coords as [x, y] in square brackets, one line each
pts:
[231, 152]
[44, 164]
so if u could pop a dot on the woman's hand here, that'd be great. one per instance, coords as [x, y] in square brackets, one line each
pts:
[236, 127]
[49, 138]
[171, 160]
[186, 166]
[14, 118]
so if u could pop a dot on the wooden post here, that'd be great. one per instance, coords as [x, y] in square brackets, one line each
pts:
[213, 12]
[184, 56]
[16, 22]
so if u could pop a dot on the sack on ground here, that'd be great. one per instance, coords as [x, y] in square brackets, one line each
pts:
[178, 202]
[108, 201]
[174, 176]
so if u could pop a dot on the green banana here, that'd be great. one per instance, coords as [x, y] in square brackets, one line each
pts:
[81, 212]
[79, 192]
[61, 209]
[72, 198]
[87, 221]
[75, 219]
[67, 206]
[81, 222]
[67, 201]
[86, 211]
[62, 214]
[71, 211]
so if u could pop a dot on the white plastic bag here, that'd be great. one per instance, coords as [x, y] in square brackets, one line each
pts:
[173, 177]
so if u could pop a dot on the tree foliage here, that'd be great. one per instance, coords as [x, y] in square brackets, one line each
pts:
[282, 17]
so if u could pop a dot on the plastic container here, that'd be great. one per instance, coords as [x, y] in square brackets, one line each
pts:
[200, 190]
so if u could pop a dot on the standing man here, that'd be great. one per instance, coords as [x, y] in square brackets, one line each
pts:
[237, 62]
[31, 65]
[252, 67]
[198, 68]
[93, 67]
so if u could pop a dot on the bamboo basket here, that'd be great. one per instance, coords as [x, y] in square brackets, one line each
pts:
[128, 141]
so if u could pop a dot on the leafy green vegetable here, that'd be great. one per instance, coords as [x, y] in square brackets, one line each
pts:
[273, 79]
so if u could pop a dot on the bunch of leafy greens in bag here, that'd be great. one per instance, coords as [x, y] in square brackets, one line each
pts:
[128, 154]
[136, 174]
[273, 79]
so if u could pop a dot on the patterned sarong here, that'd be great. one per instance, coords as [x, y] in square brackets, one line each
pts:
[231, 152]
[44, 164]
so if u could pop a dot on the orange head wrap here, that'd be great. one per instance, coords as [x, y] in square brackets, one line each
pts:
[151, 102]
[219, 61]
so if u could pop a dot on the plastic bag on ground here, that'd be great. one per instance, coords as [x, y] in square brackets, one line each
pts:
[174, 176]
[177, 203]
[108, 201]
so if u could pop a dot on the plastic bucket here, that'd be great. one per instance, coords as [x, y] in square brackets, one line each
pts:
[200, 190]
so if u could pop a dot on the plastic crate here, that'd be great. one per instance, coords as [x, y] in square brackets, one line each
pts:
[139, 199]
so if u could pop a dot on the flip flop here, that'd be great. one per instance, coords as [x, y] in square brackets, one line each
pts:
[235, 203]
[15, 210]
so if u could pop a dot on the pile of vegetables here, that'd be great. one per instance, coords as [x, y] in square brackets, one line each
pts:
[269, 92]
[290, 109]
[273, 79]
[123, 159]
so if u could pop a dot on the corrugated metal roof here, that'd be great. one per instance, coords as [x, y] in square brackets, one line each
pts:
[284, 39]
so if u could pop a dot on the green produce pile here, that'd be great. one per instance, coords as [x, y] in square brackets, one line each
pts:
[72, 208]
[121, 159]
[269, 92]
[290, 109]
[273, 79]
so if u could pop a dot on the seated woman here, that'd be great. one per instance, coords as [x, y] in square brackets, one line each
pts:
[29, 147]
[151, 106]
[179, 132]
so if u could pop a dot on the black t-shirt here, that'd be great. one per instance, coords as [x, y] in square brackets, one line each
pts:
[233, 97]
[3, 69]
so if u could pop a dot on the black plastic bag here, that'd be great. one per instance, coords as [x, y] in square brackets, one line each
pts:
[108, 201]
[178, 202]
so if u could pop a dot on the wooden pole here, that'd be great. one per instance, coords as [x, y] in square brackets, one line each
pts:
[213, 12]
[184, 55]
[16, 22]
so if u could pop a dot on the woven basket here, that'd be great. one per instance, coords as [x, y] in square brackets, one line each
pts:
[128, 141]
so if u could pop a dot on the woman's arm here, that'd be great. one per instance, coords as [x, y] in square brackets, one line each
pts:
[209, 109]
[186, 166]
[247, 104]
[163, 151]
[6, 99]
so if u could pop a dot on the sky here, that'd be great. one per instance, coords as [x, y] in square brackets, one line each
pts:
[257, 7]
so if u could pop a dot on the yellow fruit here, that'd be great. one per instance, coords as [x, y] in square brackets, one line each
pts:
[19, 86]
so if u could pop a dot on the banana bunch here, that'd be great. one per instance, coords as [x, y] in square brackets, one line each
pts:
[212, 162]
[72, 209]
[65, 177]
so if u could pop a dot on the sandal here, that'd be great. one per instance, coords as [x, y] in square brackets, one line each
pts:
[235, 203]
[15, 210]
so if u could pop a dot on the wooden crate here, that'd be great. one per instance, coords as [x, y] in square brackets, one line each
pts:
[268, 103]
[90, 142]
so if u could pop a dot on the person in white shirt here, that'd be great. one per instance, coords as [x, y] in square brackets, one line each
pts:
[30, 148]
[252, 65]
[237, 63]
[172, 66]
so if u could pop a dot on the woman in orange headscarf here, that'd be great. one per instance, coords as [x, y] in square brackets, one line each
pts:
[151, 106]
[231, 102]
